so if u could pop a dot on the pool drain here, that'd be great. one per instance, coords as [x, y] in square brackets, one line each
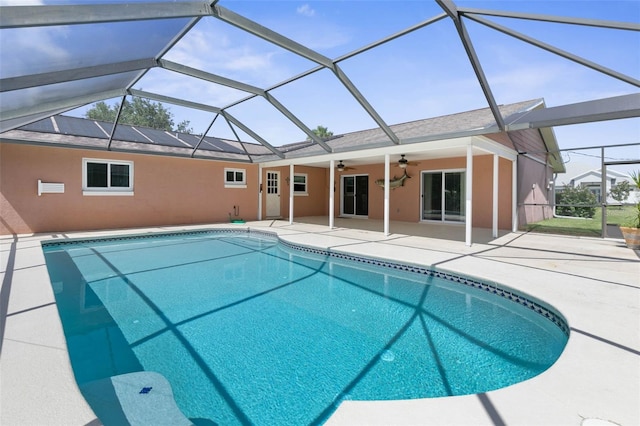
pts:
[388, 356]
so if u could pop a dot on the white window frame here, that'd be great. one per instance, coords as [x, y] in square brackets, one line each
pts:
[108, 191]
[235, 183]
[443, 219]
[306, 184]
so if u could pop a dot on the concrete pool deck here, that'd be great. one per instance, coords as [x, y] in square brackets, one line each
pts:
[594, 283]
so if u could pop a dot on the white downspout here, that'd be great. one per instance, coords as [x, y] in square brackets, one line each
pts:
[260, 191]
[496, 160]
[386, 194]
[291, 185]
[469, 192]
[514, 195]
[332, 186]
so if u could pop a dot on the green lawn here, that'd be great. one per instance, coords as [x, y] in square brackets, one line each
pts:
[585, 227]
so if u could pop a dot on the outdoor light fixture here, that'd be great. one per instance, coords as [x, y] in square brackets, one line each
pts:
[340, 166]
[402, 162]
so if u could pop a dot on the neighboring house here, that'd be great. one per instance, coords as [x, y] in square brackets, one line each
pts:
[462, 168]
[583, 175]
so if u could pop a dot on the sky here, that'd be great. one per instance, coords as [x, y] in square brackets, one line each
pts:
[420, 75]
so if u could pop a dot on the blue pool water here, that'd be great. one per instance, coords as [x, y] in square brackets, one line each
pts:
[250, 331]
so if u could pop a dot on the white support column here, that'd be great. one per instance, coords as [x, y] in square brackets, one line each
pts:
[469, 191]
[332, 187]
[514, 195]
[260, 191]
[386, 194]
[496, 160]
[290, 194]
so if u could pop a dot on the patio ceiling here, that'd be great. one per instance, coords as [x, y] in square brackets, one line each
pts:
[110, 65]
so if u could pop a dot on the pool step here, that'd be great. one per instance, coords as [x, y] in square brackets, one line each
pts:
[141, 398]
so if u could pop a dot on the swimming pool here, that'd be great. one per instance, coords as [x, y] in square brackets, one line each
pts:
[250, 330]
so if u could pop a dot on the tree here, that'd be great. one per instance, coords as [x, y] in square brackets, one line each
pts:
[621, 191]
[576, 201]
[183, 127]
[139, 112]
[321, 132]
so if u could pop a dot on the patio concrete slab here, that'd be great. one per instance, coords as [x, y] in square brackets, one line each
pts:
[594, 283]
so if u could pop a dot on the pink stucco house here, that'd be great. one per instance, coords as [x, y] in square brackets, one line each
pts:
[66, 174]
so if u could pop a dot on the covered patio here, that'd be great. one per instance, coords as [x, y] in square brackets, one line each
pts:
[462, 147]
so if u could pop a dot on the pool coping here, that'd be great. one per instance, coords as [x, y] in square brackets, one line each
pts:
[596, 377]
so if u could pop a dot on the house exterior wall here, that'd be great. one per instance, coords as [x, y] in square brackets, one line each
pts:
[534, 194]
[177, 191]
[534, 191]
[314, 203]
[167, 191]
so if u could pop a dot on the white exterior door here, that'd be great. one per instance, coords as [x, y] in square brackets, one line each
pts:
[273, 194]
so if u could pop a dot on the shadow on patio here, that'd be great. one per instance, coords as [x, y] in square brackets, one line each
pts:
[447, 231]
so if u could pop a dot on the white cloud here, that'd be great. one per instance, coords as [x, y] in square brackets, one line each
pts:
[211, 49]
[45, 46]
[305, 10]
[21, 2]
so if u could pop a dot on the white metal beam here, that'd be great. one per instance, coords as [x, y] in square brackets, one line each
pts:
[391, 37]
[625, 106]
[297, 48]
[48, 15]
[295, 120]
[550, 18]
[271, 36]
[56, 107]
[213, 78]
[172, 100]
[365, 104]
[207, 76]
[451, 9]
[204, 134]
[53, 77]
[251, 133]
[555, 50]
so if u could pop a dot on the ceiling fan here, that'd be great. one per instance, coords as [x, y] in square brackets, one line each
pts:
[403, 162]
[341, 167]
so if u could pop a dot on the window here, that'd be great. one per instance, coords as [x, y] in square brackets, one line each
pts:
[300, 184]
[235, 178]
[107, 177]
[595, 189]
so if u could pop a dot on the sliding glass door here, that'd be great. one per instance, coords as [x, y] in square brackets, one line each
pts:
[443, 196]
[355, 195]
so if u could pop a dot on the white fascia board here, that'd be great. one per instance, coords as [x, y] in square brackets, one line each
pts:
[493, 147]
[377, 152]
